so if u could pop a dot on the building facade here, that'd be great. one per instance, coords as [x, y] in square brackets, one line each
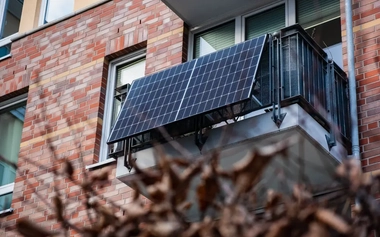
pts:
[65, 67]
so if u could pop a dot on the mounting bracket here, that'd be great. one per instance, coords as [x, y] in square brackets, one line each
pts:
[128, 160]
[278, 118]
[331, 141]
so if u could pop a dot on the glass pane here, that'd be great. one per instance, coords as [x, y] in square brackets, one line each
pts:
[5, 201]
[215, 39]
[265, 22]
[12, 18]
[5, 50]
[131, 71]
[12, 122]
[125, 75]
[58, 8]
[314, 12]
[327, 33]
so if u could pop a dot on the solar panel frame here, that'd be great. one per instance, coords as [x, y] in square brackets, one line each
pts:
[176, 93]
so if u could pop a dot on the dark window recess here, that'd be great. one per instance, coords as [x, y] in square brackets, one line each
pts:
[326, 34]
[321, 19]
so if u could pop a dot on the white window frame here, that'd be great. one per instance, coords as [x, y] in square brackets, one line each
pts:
[4, 42]
[4, 190]
[108, 106]
[290, 19]
[8, 188]
[7, 40]
[43, 11]
[2, 12]
[41, 20]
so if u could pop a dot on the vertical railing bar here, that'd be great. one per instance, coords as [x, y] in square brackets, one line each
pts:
[289, 59]
[281, 79]
[298, 66]
[270, 67]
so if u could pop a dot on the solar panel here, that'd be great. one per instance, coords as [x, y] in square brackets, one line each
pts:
[201, 85]
[222, 78]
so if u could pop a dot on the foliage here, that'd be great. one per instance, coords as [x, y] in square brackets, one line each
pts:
[226, 201]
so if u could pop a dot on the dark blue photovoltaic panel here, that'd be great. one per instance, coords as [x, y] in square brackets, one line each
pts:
[152, 101]
[222, 78]
[201, 85]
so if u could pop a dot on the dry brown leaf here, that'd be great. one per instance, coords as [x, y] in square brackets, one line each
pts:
[185, 179]
[159, 191]
[247, 172]
[355, 174]
[29, 229]
[272, 200]
[135, 210]
[108, 217]
[208, 188]
[334, 221]
[148, 177]
[58, 208]
[316, 229]
[193, 230]
[278, 228]
[102, 176]
[164, 229]
[300, 194]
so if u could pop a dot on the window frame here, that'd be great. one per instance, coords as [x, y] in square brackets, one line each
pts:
[7, 40]
[9, 188]
[109, 100]
[4, 190]
[43, 11]
[3, 5]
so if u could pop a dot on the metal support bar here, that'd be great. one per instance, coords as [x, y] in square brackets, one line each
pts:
[277, 117]
[128, 160]
[331, 102]
[200, 137]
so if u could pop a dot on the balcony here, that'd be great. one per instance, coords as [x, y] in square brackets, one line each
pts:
[297, 91]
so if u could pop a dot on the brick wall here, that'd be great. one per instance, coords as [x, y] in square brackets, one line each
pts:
[64, 67]
[366, 22]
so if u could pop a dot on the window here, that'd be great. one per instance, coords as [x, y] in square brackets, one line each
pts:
[215, 39]
[242, 27]
[10, 14]
[265, 22]
[54, 9]
[321, 19]
[121, 74]
[12, 115]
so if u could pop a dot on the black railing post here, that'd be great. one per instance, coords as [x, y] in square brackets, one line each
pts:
[278, 117]
[331, 103]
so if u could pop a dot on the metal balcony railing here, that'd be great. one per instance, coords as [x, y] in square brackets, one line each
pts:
[294, 69]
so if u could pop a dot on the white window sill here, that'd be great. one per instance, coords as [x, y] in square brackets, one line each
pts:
[6, 211]
[5, 57]
[100, 164]
[4, 190]
[8, 188]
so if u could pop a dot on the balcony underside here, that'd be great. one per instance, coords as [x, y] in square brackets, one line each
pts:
[259, 130]
[198, 13]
